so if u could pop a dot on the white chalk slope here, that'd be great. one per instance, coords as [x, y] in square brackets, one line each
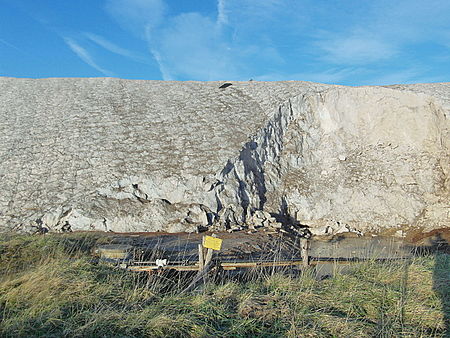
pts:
[121, 155]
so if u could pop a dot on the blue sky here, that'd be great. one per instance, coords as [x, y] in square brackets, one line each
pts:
[350, 42]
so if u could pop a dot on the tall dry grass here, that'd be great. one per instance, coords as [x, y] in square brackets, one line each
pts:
[52, 286]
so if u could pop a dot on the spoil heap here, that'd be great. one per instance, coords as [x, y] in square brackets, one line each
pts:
[121, 155]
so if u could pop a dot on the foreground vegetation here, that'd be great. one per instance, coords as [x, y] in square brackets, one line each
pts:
[51, 286]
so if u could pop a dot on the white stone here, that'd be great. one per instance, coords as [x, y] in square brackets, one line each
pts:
[321, 231]
[276, 225]
[400, 234]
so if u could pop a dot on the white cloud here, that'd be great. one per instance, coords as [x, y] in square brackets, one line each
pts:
[6, 43]
[142, 18]
[411, 75]
[222, 17]
[113, 48]
[84, 55]
[357, 49]
[193, 45]
[331, 75]
[166, 74]
[388, 29]
[137, 16]
[408, 21]
[247, 38]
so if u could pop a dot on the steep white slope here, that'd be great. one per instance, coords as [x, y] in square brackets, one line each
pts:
[122, 155]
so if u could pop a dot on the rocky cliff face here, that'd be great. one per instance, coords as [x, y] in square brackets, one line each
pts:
[119, 155]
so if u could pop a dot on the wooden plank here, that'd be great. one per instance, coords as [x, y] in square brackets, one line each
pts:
[304, 245]
[168, 267]
[243, 265]
[209, 255]
[260, 264]
[201, 259]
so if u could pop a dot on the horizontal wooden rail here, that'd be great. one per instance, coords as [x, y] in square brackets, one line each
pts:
[242, 265]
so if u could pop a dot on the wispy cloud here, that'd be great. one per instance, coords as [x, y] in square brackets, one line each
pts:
[356, 49]
[222, 17]
[389, 39]
[331, 75]
[349, 42]
[165, 72]
[141, 18]
[109, 46]
[6, 43]
[409, 75]
[84, 55]
[193, 45]
[137, 16]
[276, 39]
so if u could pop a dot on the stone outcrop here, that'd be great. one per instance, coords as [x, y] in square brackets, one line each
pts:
[121, 155]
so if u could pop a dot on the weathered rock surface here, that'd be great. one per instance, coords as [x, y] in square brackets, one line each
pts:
[121, 155]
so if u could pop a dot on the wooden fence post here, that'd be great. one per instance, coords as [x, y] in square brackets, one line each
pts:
[201, 258]
[304, 245]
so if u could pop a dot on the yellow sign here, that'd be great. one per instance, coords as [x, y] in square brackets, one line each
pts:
[212, 242]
